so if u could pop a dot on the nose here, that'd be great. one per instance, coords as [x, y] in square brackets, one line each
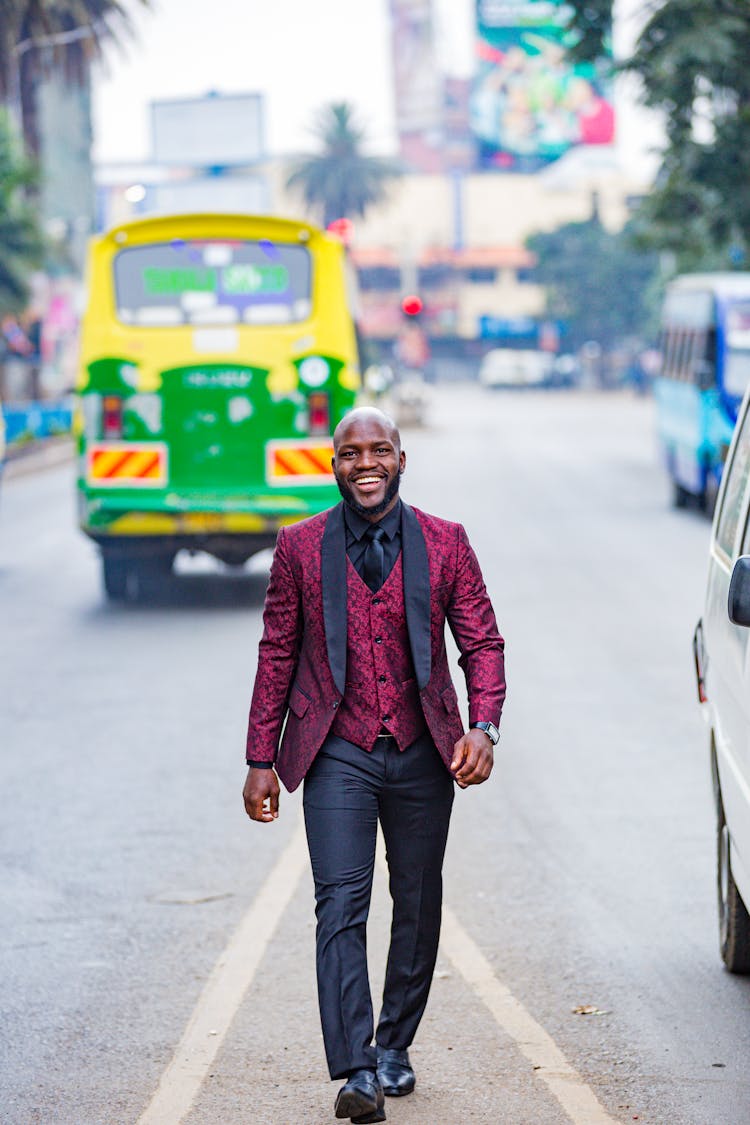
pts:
[365, 459]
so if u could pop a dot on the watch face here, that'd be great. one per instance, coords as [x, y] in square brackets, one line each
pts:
[491, 731]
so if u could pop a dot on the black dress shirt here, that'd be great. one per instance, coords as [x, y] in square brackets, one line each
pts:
[356, 545]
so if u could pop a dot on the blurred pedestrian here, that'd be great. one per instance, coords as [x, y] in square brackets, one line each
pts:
[353, 694]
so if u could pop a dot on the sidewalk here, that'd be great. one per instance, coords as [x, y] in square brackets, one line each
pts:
[35, 456]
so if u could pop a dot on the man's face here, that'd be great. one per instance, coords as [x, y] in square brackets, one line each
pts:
[367, 464]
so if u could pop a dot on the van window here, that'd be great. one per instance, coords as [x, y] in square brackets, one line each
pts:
[736, 487]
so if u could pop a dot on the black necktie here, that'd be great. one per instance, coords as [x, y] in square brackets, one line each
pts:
[374, 558]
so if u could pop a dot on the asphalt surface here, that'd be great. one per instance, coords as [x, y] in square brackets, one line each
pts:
[583, 871]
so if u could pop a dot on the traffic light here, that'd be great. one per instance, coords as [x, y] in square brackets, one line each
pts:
[412, 305]
[343, 229]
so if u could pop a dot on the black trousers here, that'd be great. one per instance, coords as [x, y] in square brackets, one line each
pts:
[346, 792]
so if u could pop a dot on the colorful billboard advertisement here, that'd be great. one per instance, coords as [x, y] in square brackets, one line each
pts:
[529, 104]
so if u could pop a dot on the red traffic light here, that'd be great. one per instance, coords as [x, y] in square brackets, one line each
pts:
[412, 305]
[343, 229]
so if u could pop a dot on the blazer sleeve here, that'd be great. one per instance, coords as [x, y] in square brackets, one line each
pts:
[472, 622]
[277, 657]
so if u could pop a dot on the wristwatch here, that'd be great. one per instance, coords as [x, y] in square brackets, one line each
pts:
[490, 730]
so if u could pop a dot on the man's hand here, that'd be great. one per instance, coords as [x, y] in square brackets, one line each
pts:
[261, 795]
[472, 758]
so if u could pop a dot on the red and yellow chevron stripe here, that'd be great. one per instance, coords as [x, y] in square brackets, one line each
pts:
[299, 462]
[123, 464]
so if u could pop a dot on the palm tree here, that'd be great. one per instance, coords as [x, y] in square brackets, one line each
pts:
[341, 180]
[20, 237]
[38, 37]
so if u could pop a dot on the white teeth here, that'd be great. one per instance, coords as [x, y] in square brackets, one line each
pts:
[368, 480]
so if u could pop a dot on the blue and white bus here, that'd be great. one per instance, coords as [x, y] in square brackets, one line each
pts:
[705, 368]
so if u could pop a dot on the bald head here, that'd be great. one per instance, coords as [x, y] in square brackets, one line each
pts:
[368, 418]
[368, 461]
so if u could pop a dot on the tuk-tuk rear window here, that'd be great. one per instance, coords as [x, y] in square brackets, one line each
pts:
[212, 282]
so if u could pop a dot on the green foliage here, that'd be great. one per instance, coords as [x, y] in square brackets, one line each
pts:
[21, 244]
[599, 282]
[38, 37]
[591, 24]
[341, 181]
[692, 57]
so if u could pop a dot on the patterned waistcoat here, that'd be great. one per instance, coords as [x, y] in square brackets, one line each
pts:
[381, 689]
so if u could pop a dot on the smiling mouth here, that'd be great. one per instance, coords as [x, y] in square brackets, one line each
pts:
[368, 482]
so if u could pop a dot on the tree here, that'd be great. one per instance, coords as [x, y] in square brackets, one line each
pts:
[20, 238]
[598, 282]
[692, 58]
[41, 36]
[341, 181]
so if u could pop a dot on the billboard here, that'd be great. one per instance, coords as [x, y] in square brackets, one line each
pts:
[529, 104]
[418, 84]
[218, 130]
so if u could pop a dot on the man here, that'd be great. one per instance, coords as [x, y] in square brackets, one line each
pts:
[353, 657]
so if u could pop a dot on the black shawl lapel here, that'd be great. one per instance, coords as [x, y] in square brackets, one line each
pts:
[333, 581]
[416, 593]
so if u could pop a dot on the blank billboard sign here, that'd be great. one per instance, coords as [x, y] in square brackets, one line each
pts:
[219, 130]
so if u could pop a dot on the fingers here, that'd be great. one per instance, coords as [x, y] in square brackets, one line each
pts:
[459, 754]
[261, 795]
[475, 761]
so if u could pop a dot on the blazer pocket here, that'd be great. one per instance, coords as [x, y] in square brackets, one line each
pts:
[449, 698]
[299, 701]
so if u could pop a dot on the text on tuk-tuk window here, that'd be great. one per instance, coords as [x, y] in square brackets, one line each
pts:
[188, 281]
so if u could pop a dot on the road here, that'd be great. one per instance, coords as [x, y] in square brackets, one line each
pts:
[581, 874]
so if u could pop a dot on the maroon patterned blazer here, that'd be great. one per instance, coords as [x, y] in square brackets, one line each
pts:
[302, 658]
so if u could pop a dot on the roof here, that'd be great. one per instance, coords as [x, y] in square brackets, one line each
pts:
[468, 257]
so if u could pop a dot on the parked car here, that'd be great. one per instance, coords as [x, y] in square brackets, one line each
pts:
[516, 367]
[721, 647]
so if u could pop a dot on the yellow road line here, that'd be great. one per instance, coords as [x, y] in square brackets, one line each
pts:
[225, 990]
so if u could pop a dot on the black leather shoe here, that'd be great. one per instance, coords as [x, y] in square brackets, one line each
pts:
[361, 1098]
[395, 1073]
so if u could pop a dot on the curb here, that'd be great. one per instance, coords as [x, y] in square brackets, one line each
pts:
[37, 456]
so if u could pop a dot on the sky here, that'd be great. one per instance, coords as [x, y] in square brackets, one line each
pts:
[300, 54]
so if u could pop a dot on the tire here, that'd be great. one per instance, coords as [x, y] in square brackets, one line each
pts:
[681, 498]
[115, 578]
[128, 579]
[734, 920]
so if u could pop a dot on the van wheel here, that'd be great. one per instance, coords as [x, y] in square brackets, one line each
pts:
[681, 498]
[734, 920]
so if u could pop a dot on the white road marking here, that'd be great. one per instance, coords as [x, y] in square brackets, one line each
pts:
[565, 1083]
[576, 1098]
[225, 990]
[233, 973]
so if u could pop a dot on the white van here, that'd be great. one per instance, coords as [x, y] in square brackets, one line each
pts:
[722, 658]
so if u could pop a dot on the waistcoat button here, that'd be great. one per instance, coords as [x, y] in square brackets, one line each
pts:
[382, 679]
[378, 640]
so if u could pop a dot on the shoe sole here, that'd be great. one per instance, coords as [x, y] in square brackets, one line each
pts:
[353, 1104]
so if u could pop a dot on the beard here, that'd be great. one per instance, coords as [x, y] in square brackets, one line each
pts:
[351, 502]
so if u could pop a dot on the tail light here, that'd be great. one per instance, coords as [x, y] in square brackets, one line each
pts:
[112, 417]
[319, 413]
